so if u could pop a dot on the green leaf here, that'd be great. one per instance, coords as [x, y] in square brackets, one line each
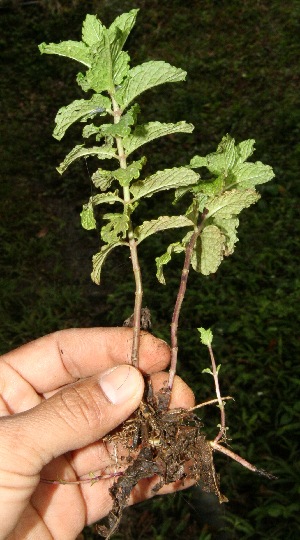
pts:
[120, 29]
[100, 75]
[120, 67]
[122, 128]
[249, 175]
[146, 76]
[88, 221]
[92, 30]
[76, 50]
[110, 198]
[162, 180]
[102, 179]
[79, 108]
[207, 370]
[125, 176]
[176, 247]
[102, 152]
[208, 252]
[116, 228]
[210, 187]
[147, 132]
[231, 203]
[161, 224]
[206, 337]
[245, 149]
[228, 226]
[99, 259]
[198, 161]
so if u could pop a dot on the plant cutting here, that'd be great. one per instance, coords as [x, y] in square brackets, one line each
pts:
[156, 441]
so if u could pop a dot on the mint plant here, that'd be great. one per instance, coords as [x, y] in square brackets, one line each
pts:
[209, 227]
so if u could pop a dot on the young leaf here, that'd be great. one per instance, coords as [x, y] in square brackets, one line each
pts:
[125, 176]
[120, 29]
[162, 180]
[79, 108]
[92, 30]
[176, 247]
[206, 336]
[109, 198]
[147, 132]
[99, 259]
[100, 75]
[146, 76]
[161, 224]
[102, 179]
[208, 253]
[102, 152]
[76, 50]
[122, 128]
[245, 149]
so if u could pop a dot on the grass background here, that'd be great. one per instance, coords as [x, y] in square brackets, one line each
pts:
[243, 79]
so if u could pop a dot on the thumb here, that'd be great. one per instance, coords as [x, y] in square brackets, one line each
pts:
[74, 417]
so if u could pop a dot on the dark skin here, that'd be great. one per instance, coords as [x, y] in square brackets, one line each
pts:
[58, 398]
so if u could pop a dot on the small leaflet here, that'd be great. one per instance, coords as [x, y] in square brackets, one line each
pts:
[146, 76]
[206, 336]
[92, 30]
[88, 221]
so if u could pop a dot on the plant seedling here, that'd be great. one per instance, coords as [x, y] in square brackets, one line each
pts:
[158, 441]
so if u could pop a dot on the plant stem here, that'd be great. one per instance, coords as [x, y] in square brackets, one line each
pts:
[180, 297]
[222, 431]
[133, 250]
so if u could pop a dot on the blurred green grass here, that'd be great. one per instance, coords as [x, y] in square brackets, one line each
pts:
[243, 78]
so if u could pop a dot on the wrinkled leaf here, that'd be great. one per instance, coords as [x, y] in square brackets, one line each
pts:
[231, 203]
[100, 75]
[79, 108]
[99, 259]
[146, 76]
[147, 132]
[116, 228]
[161, 224]
[162, 180]
[176, 247]
[122, 128]
[76, 50]
[88, 221]
[110, 198]
[249, 175]
[125, 176]
[102, 179]
[208, 252]
[102, 152]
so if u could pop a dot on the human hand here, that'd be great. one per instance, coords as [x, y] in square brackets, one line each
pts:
[59, 395]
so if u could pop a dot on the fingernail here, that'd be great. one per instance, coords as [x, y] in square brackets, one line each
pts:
[120, 383]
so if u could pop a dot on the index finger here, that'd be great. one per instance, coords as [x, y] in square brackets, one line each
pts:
[67, 355]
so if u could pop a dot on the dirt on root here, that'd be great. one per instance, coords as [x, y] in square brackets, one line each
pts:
[169, 443]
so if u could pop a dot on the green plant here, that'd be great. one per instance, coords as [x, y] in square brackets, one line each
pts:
[211, 220]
